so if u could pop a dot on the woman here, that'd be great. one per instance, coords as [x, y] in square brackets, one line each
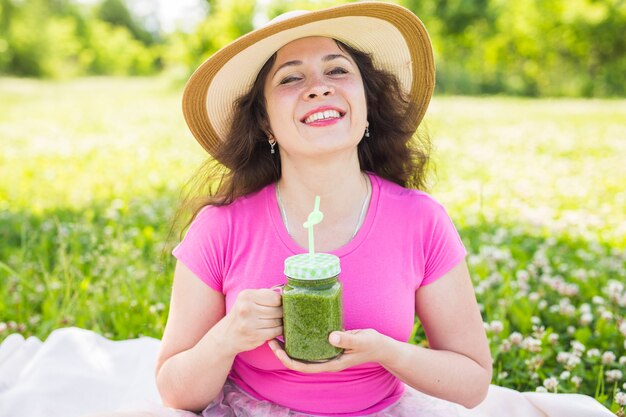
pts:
[325, 103]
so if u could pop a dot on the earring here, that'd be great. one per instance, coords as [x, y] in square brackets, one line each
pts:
[367, 130]
[272, 142]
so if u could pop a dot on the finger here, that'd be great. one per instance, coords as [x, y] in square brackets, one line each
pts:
[267, 297]
[270, 323]
[334, 365]
[270, 333]
[269, 312]
[343, 340]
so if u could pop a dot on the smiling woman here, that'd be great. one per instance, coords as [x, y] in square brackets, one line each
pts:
[327, 104]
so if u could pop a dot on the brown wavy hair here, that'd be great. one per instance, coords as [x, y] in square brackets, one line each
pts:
[244, 163]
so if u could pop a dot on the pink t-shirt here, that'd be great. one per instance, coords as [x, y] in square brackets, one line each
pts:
[407, 240]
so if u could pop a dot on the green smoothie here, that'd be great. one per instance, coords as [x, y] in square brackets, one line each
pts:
[311, 306]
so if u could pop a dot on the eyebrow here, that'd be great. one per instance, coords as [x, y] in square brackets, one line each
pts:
[326, 58]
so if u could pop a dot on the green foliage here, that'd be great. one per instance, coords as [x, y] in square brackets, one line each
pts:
[528, 47]
[60, 40]
[227, 20]
[88, 195]
[116, 13]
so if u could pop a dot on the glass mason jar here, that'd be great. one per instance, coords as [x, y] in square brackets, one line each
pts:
[311, 306]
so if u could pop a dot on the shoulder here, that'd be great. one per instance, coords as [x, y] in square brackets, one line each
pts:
[407, 200]
[222, 219]
[248, 204]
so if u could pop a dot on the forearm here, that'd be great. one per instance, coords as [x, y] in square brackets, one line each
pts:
[442, 374]
[191, 379]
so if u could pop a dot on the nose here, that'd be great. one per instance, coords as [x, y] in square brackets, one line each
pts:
[317, 88]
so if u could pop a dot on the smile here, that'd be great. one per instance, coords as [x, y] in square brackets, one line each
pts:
[323, 115]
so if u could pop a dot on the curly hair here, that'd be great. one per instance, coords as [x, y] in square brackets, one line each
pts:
[244, 163]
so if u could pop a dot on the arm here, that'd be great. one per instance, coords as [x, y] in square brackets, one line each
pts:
[200, 341]
[456, 367]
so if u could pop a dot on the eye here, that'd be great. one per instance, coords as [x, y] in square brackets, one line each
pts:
[338, 71]
[289, 79]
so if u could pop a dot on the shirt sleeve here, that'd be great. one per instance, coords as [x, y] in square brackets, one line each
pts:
[203, 248]
[443, 247]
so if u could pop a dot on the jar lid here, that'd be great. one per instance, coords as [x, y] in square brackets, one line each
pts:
[309, 267]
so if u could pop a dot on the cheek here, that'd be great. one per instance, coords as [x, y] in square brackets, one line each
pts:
[279, 109]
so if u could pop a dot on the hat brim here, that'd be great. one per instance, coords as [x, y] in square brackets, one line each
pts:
[396, 39]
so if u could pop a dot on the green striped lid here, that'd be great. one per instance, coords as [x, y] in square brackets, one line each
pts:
[315, 266]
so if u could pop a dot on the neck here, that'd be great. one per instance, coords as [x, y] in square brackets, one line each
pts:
[343, 190]
[334, 181]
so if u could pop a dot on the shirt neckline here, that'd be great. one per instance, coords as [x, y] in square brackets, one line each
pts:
[354, 243]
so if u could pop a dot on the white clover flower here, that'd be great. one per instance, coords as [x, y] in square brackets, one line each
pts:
[620, 398]
[496, 326]
[570, 290]
[571, 329]
[565, 375]
[585, 308]
[542, 304]
[562, 357]
[538, 331]
[533, 296]
[597, 300]
[531, 344]
[516, 338]
[622, 360]
[593, 353]
[505, 346]
[577, 380]
[572, 362]
[607, 315]
[541, 389]
[577, 347]
[581, 274]
[613, 375]
[567, 309]
[553, 338]
[622, 328]
[522, 275]
[551, 383]
[503, 375]
[535, 320]
[586, 319]
[608, 357]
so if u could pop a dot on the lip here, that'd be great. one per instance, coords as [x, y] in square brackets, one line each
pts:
[321, 109]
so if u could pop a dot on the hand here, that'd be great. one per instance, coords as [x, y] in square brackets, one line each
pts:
[360, 346]
[255, 318]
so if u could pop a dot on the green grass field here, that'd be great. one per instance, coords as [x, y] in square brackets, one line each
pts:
[91, 171]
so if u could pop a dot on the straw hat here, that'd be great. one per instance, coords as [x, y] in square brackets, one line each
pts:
[396, 39]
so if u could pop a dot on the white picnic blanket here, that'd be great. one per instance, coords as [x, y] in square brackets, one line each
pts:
[76, 372]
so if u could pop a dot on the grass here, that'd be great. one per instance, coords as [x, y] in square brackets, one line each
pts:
[91, 171]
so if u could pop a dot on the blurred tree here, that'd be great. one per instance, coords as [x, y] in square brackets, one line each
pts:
[116, 12]
[227, 20]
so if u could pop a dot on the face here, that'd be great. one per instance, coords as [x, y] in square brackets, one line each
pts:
[315, 98]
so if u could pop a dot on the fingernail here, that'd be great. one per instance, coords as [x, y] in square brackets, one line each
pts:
[334, 338]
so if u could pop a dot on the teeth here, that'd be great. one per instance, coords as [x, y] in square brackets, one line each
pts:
[328, 114]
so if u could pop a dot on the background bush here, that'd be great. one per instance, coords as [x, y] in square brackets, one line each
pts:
[527, 47]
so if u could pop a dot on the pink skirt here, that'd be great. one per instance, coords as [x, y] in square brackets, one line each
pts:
[233, 402]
